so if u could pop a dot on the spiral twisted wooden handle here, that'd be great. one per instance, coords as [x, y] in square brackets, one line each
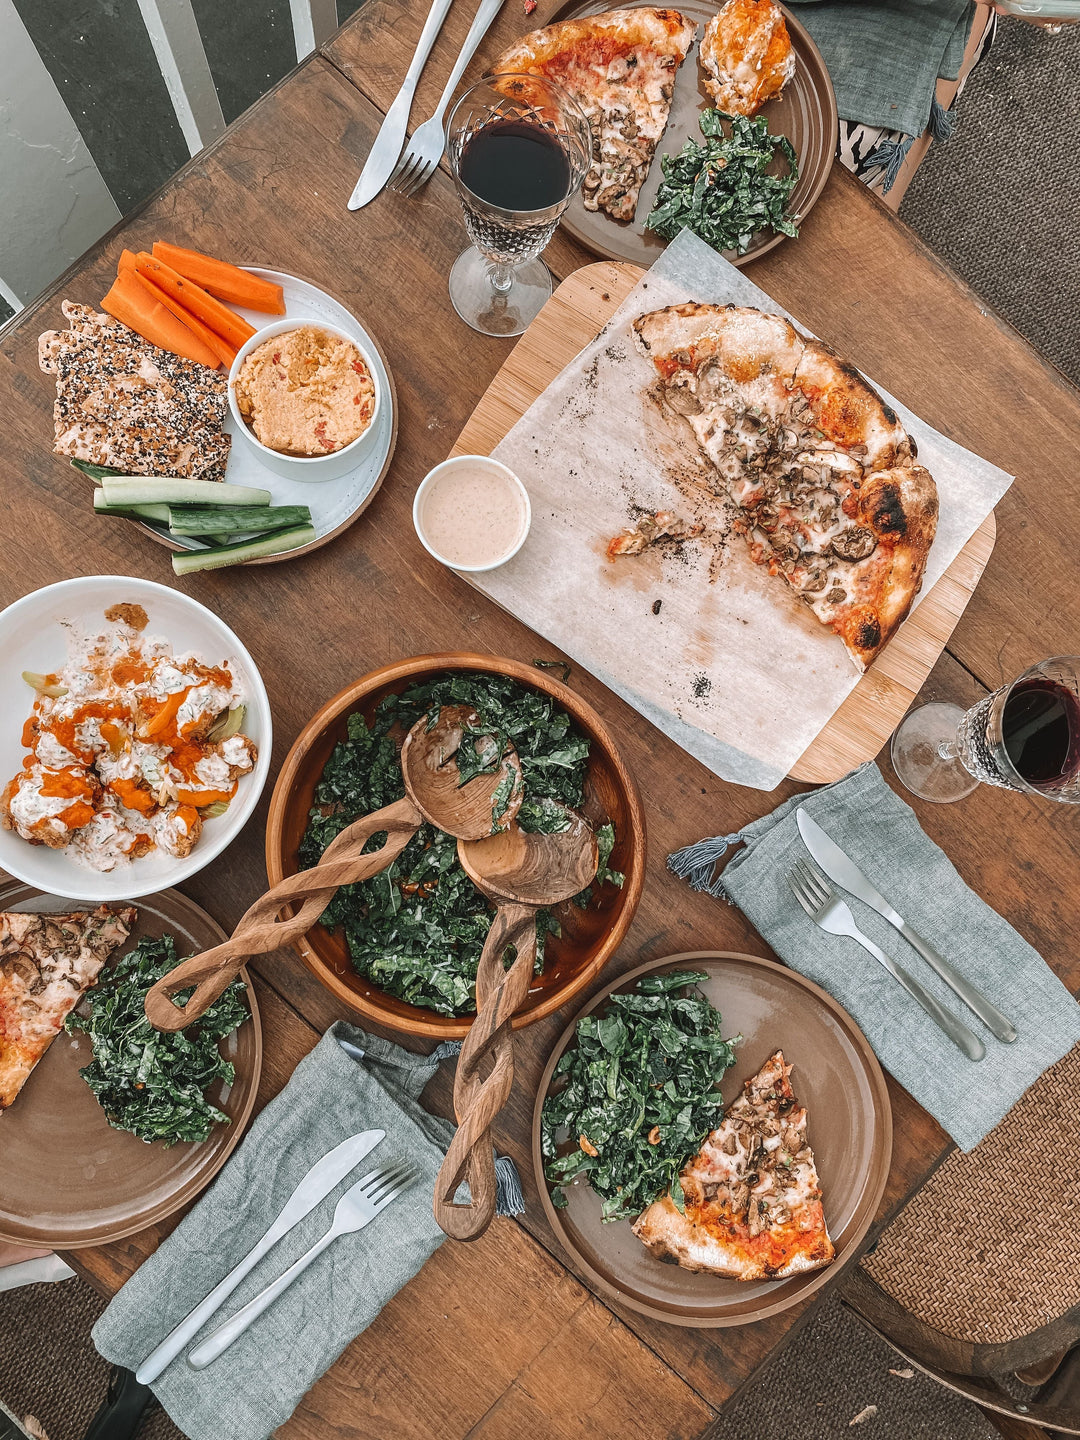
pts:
[262, 929]
[479, 1096]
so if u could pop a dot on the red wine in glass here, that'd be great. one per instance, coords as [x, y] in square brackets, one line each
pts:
[1040, 732]
[515, 165]
[1025, 736]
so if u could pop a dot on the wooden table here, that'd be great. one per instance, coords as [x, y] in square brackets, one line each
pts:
[502, 1337]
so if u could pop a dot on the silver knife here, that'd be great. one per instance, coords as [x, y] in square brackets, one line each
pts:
[384, 154]
[315, 1186]
[845, 872]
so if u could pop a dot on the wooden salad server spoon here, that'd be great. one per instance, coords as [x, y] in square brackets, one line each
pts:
[522, 873]
[433, 793]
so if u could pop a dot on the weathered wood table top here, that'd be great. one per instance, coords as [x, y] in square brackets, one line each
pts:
[502, 1337]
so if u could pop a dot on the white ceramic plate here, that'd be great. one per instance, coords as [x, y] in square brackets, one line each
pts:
[333, 503]
[33, 637]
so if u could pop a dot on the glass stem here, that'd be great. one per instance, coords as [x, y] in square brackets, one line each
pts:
[501, 278]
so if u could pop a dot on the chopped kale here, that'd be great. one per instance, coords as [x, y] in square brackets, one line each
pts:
[147, 1081]
[640, 1091]
[722, 189]
[417, 929]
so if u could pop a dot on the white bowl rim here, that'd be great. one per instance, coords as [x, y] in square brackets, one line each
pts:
[282, 327]
[209, 847]
[457, 461]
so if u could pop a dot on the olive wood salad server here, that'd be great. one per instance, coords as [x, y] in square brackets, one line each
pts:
[434, 793]
[522, 873]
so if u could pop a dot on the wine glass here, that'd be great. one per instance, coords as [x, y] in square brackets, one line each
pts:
[519, 148]
[1025, 736]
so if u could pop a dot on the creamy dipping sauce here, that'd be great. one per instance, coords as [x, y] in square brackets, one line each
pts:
[472, 515]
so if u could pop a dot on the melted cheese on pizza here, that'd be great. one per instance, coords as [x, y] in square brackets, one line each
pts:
[47, 962]
[819, 466]
[620, 67]
[751, 1197]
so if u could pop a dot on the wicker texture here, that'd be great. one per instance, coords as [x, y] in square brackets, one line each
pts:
[987, 1250]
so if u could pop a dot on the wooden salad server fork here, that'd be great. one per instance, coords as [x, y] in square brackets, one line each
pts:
[434, 793]
[522, 873]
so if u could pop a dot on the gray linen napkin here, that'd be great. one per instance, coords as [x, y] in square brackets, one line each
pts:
[881, 834]
[256, 1385]
[885, 56]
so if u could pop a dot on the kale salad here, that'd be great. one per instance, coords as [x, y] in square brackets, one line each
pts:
[148, 1081]
[637, 1094]
[417, 929]
[723, 189]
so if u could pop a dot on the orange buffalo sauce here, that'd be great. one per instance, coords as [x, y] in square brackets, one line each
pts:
[133, 796]
[60, 783]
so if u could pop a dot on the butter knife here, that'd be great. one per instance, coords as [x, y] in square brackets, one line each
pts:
[315, 1186]
[843, 871]
[384, 154]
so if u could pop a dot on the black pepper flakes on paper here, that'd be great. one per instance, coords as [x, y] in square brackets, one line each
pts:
[656, 606]
[701, 686]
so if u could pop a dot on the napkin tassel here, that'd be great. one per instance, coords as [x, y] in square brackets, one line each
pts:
[697, 863]
[509, 1199]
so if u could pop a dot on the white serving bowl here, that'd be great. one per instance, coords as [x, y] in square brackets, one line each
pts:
[33, 637]
[469, 462]
[304, 467]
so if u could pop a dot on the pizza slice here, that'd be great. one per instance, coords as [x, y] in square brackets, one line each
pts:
[47, 962]
[747, 55]
[820, 468]
[620, 68]
[751, 1194]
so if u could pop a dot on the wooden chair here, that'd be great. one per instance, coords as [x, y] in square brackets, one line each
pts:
[977, 1281]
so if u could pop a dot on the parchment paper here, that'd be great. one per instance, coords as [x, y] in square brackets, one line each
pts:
[718, 654]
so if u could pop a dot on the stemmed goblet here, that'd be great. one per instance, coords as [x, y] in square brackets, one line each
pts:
[519, 147]
[1025, 736]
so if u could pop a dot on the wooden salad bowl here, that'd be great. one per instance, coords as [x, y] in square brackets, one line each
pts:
[589, 937]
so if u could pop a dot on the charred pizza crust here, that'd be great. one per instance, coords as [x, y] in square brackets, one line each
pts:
[620, 67]
[822, 471]
[47, 962]
[752, 1198]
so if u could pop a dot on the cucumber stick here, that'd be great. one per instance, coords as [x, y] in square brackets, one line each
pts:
[159, 490]
[190, 560]
[219, 520]
[159, 514]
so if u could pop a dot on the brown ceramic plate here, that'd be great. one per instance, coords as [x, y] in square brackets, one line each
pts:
[67, 1178]
[589, 937]
[805, 112]
[838, 1079]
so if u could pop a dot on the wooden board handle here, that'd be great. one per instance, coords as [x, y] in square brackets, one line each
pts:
[262, 928]
[479, 1098]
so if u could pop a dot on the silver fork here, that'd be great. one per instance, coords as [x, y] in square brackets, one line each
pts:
[830, 913]
[424, 150]
[356, 1208]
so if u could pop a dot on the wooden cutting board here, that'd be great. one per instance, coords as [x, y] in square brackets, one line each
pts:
[576, 313]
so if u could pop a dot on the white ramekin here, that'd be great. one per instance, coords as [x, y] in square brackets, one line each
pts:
[459, 462]
[304, 467]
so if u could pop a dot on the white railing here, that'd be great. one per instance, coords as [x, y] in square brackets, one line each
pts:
[55, 203]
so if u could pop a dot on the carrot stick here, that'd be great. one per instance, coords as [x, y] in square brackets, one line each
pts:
[126, 262]
[192, 297]
[221, 348]
[130, 302]
[222, 280]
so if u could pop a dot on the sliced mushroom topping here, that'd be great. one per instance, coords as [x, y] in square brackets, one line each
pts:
[814, 583]
[837, 595]
[19, 963]
[855, 544]
[682, 401]
[757, 1217]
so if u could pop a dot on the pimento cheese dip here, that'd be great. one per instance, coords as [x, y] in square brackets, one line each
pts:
[306, 392]
[121, 758]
